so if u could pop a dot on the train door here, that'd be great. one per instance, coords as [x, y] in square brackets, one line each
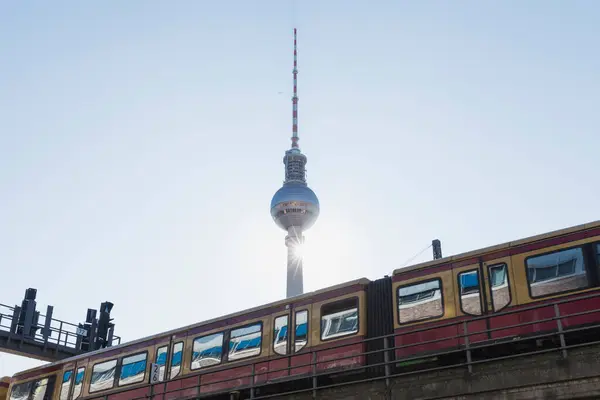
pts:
[70, 381]
[161, 358]
[280, 346]
[290, 343]
[500, 290]
[173, 368]
[472, 305]
[300, 347]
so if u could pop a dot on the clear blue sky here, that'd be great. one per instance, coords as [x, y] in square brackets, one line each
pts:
[141, 142]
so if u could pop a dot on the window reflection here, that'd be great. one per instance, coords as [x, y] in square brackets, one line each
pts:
[420, 301]
[280, 335]
[176, 360]
[499, 285]
[470, 299]
[339, 320]
[66, 385]
[301, 332]
[161, 361]
[103, 376]
[42, 389]
[245, 342]
[21, 391]
[207, 351]
[78, 382]
[133, 369]
[556, 272]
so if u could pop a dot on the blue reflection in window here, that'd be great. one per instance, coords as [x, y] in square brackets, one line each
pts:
[67, 376]
[176, 358]
[245, 342]
[301, 330]
[282, 333]
[162, 358]
[207, 350]
[469, 282]
[79, 377]
[133, 369]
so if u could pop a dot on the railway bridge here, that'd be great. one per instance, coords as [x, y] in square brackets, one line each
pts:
[570, 373]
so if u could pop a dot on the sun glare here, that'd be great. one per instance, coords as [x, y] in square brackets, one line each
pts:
[298, 250]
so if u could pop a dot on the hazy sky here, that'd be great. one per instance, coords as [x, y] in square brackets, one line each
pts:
[141, 142]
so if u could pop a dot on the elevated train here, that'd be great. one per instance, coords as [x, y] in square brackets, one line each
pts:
[426, 310]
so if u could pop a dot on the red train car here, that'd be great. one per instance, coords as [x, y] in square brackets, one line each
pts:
[490, 292]
[486, 299]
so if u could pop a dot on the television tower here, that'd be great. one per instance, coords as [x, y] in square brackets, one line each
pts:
[295, 206]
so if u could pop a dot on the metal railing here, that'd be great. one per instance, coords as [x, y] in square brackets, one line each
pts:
[391, 365]
[48, 332]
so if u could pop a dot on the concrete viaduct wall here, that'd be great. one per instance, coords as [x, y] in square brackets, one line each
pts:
[540, 376]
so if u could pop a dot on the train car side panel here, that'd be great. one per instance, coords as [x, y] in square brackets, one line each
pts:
[336, 321]
[303, 341]
[422, 304]
[554, 272]
[45, 383]
[469, 289]
[245, 344]
[280, 346]
[500, 288]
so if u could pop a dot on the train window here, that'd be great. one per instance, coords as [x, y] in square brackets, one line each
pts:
[103, 376]
[78, 383]
[498, 275]
[176, 360]
[245, 342]
[557, 272]
[20, 391]
[42, 389]
[280, 335]
[133, 369]
[301, 334]
[66, 384]
[420, 301]
[598, 254]
[339, 319]
[207, 351]
[470, 298]
[161, 361]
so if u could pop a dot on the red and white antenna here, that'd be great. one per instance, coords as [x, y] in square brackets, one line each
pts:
[295, 98]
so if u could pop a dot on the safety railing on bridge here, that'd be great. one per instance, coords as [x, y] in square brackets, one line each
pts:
[467, 354]
[51, 335]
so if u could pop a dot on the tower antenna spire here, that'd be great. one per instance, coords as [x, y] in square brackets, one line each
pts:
[295, 97]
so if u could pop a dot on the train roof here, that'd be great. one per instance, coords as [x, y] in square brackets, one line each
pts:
[490, 249]
[289, 300]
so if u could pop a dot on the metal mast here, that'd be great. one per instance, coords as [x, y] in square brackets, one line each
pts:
[295, 97]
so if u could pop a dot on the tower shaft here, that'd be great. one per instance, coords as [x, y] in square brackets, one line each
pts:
[294, 207]
[295, 279]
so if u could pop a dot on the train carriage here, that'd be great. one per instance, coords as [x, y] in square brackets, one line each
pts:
[486, 295]
[234, 352]
[484, 299]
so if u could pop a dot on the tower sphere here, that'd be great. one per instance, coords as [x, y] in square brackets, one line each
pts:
[295, 204]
